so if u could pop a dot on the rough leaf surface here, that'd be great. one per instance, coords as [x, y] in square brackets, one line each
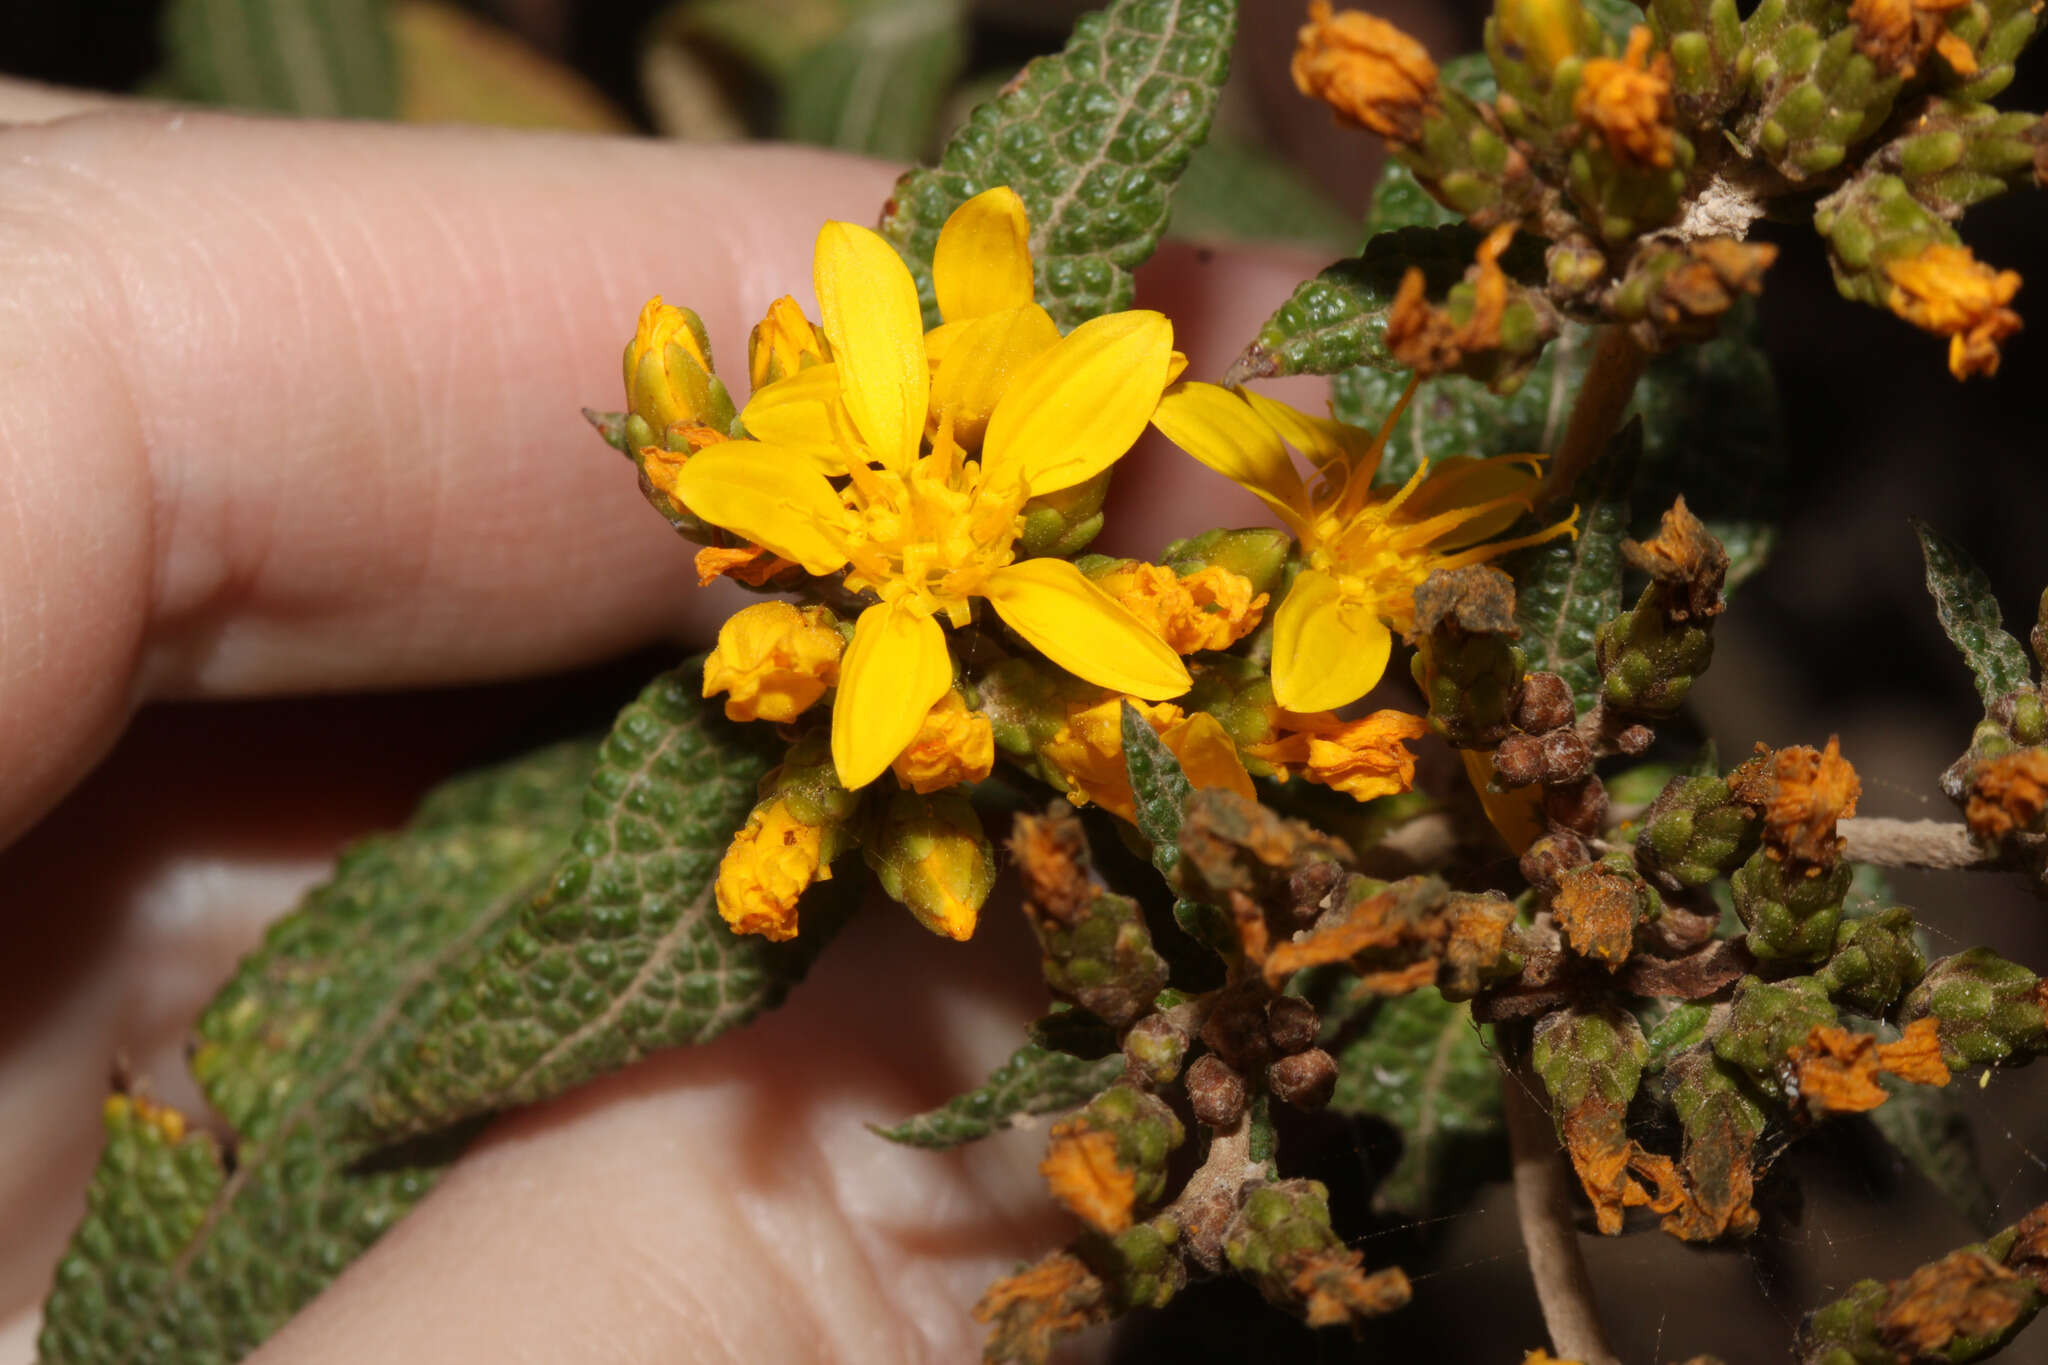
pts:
[1419, 1064]
[1969, 613]
[189, 1256]
[1566, 588]
[1159, 788]
[1093, 138]
[623, 953]
[1035, 1080]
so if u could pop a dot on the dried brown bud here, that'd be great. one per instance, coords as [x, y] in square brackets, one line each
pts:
[1052, 853]
[1635, 740]
[1309, 887]
[1579, 806]
[1687, 562]
[1292, 1023]
[1215, 1092]
[1236, 1027]
[1306, 1080]
[1566, 758]
[1518, 761]
[1477, 599]
[1544, 703]
[1550, 857]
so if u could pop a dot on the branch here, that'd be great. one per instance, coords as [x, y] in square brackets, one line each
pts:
[1543, 1207]
[1603, 396]
[1935, 844]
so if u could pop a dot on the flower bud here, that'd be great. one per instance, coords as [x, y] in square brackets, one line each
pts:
[669, 383]
[1281, 1240]
[774, 660]
[1305, 1080]
[1875, 960]
[1291, 1023]
[1155, 1048]
[1694, 832]
[1789, 914]
[931, 855]
[782, 343]
[954, 745]
[1990, 1010]
[1215, 1092]
[1543, 702]
[1766, 1020]
[1109, 1159]
[1259, 555]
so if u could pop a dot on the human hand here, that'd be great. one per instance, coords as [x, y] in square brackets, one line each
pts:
[292, 408]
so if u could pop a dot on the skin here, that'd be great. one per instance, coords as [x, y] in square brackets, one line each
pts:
[292, 409]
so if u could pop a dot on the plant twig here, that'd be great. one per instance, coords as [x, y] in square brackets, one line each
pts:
[1933, 844]
[1603, 396]
[1543, 1207]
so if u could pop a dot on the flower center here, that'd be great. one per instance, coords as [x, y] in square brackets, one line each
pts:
[931, 538]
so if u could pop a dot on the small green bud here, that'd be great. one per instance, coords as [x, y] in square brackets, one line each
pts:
[1694, 832]
[930, 854]
[1875, 960]
[1589, 1056]
[1766, 1020]
[1258, 554]
[1789, 914]
[1062, 523]
[1990, 1010]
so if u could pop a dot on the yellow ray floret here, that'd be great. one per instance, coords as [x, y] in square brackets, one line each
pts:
[925, 521]
[1364, 549]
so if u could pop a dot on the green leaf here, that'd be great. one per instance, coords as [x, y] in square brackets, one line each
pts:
[624, 952]
[1035, 1080]
[192, 1256]
[1927, 1127]
[876, 86]
[1339, 319]
[1092, 138]
[1565, 588]
[1240, 191]
[1419, 1064]
[1969, 613]
[1159, 788]
[322, 58]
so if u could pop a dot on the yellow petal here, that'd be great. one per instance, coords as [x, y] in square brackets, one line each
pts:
[1208, 755]
[1084, 402]
[1082, 629]
[983, 356]
[1221, 430]
[1463, 481]
[1322, 439]
[892, 673]
[771, 496]
[1515, 815]
[872, 318]
[983, 261]
[1327, 652]
[797, 414]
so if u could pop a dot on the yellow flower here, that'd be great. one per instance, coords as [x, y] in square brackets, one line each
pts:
[925, 531]
[1211, 608]
[954, 745]
[668, 367]
[1364, 550]
[766, 868]
[1363, 758]
[1088, 751]
[1947, 291]
[773, 661]
[1367, 70]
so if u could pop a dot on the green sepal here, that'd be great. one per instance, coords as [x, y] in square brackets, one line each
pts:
[1969, 614]
[1159, 788]
[1034, 1080]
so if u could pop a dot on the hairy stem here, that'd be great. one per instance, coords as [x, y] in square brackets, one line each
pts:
[1935, 844]
[1603, 396]
[1544, 1208]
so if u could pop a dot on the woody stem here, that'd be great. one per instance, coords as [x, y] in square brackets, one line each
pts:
[1544, 1209]
[1603, 396]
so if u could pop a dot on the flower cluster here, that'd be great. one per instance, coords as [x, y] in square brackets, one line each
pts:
[887, 474]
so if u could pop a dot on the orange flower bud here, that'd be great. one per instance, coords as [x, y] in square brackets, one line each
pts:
[1370, 72]
[1947, 291]
[773, 661]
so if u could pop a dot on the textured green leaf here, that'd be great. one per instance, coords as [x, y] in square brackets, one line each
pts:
[1339, 318]
[1565, 588]
[1092, 138]
[1159, 788]
[1927, 1126]
[876, 85]
[624, 952]
[1035, 1080]
[1239, 191]
[1419, 1064]
[189, 1256]
[1969, 613]
[323, 58]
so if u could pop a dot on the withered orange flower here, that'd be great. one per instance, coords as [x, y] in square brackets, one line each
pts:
[1627, 103]
[1945, 290]
[1370, 72]
[1810, 790]
[2008, 793]
[1428, 340]
[1837, 1068]
[1081, 1169]
[1897, 35]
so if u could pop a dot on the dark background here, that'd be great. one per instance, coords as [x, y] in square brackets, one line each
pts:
[1836, 636]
